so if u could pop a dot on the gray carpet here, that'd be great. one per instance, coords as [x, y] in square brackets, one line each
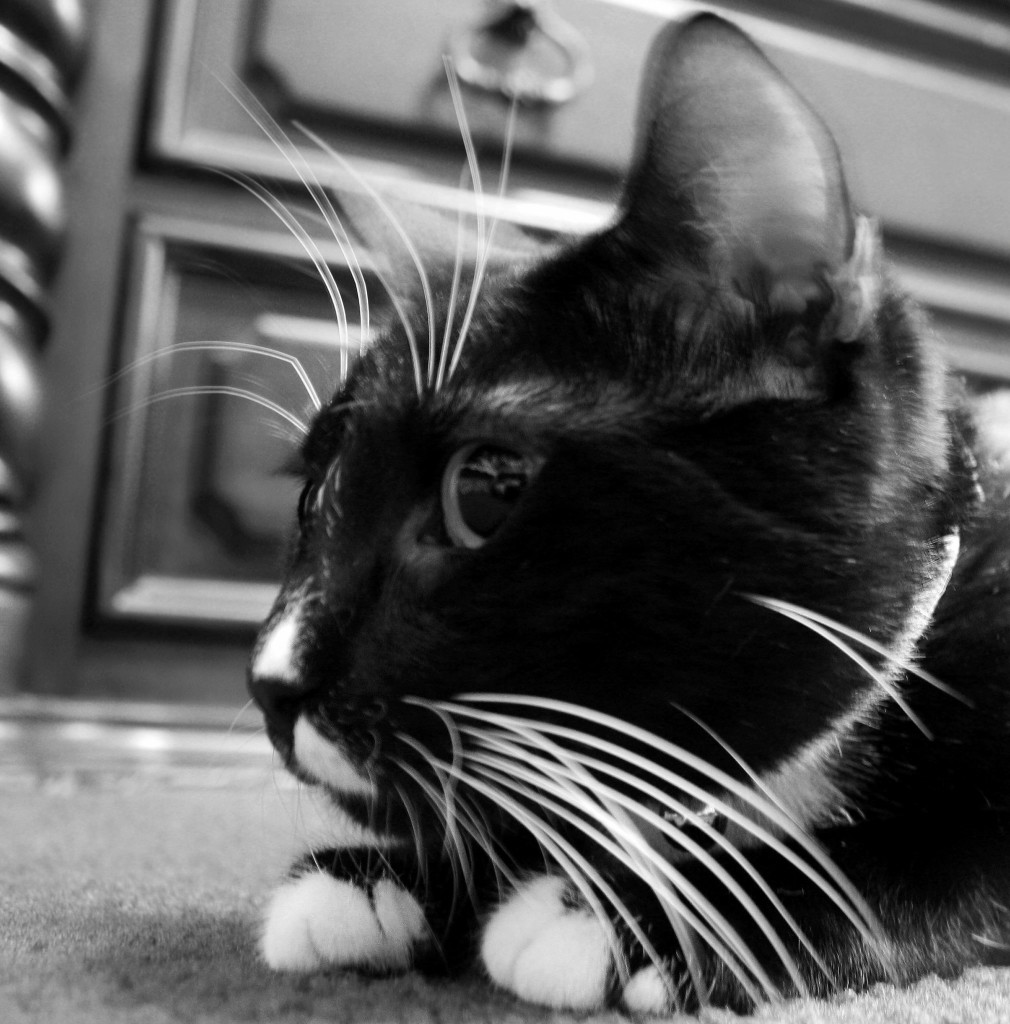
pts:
[136, 901]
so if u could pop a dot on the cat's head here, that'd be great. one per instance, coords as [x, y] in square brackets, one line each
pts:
[633, 470]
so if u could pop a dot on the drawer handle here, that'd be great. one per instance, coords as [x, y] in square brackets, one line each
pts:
[525, 52]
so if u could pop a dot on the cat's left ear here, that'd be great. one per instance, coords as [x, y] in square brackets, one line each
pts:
[732, 166]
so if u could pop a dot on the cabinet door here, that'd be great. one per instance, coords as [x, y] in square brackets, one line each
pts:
[231, 342]
[917, 94]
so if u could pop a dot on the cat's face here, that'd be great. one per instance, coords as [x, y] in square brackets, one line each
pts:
[648, 438]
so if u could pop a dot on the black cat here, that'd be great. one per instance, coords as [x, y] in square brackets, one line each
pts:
[651, 622]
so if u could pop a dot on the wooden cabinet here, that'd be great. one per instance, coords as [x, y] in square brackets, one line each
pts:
[162, 519]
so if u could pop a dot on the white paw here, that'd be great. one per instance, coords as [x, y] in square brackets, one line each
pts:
[317, 920]
[540, 947]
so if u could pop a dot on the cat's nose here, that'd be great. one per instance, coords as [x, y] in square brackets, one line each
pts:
[279, 701]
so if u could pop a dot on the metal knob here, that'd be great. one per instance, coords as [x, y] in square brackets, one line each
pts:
[525, 52]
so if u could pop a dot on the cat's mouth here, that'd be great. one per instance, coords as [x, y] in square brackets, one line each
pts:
[337, 761]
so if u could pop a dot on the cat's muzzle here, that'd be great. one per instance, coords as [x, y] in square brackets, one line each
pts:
[356, 720]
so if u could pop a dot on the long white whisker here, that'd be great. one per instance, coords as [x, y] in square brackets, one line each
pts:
[287, 218]
[484, 253]
[415, 828]
[480, 830]
[454, 737]
[755, 778]
[224, 346]
[452, 851]
[577, 869]
[508, 780]
[878, 677]
[454, 843]
[457, 272]
[266, 123]
[583, 785]
[215, 389]
[631, 850]
[394, 222]
[678, 837]
[798, 612]
[832, 883]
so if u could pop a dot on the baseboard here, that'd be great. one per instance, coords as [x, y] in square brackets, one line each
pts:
[43, 739]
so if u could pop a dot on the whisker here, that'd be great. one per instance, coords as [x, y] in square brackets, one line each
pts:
[415, 829]
[480, 830]
[262, 118]
[214, 389]
[401, 232]
[576, 868]
[755, 778]
[679, 838]
[854, 656]
[220, 346]
[457, 272]
[287, 218]
[485, 252]
[433, 798]
[242, 710]
[508, 780]
[645, 863]
[454, 845]
[832, 883]
[798, 612]
[448, 784]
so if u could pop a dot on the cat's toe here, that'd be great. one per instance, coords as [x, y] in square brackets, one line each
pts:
[317, 920]
[546, 946]
[648, 992]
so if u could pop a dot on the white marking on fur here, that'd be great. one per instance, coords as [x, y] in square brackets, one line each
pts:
[647, 992]
[546, 952]
[323, 760]
[277, 656]
[318, 920]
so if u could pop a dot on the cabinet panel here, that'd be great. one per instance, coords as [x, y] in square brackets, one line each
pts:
[923, 133]
[230, 342]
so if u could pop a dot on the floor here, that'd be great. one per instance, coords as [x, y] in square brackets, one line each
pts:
[137, 851]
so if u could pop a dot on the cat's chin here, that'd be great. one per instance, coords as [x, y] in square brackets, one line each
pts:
[320, 761]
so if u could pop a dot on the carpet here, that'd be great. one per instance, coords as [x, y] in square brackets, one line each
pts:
[135, 901]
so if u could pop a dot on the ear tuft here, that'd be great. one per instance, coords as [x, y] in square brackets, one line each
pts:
[855, 287]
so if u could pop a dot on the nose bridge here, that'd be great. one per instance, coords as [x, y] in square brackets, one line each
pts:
[279, 649]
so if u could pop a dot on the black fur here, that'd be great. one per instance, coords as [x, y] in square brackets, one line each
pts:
[698, 443]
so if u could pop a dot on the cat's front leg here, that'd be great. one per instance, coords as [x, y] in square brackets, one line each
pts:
[358, 907]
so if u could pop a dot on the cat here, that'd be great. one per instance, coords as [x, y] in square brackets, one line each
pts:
[646, 609]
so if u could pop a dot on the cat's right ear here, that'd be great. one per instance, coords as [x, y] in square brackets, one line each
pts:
[733, 173]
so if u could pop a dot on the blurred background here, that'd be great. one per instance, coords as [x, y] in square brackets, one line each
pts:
[142, 514]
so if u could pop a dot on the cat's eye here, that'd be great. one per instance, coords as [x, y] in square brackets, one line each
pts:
[480, 487]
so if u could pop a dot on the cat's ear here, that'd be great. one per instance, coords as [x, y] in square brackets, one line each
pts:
[402, 238]
[735, 170]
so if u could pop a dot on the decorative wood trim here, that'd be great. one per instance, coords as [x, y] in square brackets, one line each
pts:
[40, 51]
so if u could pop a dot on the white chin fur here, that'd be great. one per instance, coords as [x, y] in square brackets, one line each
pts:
[324, 762]
[319, 921]
[546, 952]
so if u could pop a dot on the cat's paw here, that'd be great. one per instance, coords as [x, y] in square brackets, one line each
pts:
[317, 920]
[546, 946]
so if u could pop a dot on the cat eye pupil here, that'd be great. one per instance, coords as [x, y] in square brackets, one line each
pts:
[486, 498]
[481, 486]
